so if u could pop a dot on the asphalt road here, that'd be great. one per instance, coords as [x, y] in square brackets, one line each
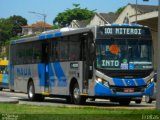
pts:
[21, 98]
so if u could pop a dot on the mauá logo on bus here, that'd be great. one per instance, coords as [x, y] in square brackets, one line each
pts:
[23, 72]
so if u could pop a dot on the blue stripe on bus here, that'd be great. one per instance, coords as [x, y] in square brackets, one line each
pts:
[11, 80]
[51, 76]
[49, 36]
[101, 90]
[41, 74]
[62, 81]
[118, 82]
[140, 82]
[130, 82]
[58, 34]
[42, 37]
[149, 90]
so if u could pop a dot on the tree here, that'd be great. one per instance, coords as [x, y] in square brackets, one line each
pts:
[5, 30]
[119, 10]
[64, 18]
[17, 22]
[10, 27]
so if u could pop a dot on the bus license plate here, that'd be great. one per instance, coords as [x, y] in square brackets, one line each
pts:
[129, 90]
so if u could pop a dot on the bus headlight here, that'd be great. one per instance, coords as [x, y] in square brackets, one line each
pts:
[150, 81]
[104, 82]
[99, 80]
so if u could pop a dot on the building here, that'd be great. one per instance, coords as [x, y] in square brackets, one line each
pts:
[35, 28]
[147, 15]
[98, 19]
[103, 19]
[79, 23]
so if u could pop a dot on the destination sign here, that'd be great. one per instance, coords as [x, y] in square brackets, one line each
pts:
[123, 31]
[102, 31]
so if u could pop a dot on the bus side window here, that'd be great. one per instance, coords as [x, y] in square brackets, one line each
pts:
[74, 48]
[37, 52]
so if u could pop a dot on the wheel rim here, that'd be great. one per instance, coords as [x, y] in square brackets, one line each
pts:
[76, 93]
[30, 91]
[147, 99]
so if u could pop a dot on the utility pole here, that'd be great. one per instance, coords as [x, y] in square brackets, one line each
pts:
[158, 60]
[136, 10]
[44, 17]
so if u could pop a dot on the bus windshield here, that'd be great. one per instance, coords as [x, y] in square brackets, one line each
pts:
[3, 69]
[123, 54]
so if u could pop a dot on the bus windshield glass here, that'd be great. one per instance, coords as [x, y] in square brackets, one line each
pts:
[124, 54]
[3, 69]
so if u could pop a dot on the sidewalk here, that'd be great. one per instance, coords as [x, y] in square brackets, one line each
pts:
[8, 100]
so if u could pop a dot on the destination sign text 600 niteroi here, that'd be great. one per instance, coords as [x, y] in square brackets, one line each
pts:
[122, 31]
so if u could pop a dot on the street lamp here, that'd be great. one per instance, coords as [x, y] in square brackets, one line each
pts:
[42, 14]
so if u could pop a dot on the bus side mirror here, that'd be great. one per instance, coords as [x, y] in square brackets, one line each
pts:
[92, 51]
[91, 46]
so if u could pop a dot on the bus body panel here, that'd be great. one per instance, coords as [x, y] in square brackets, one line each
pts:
[61, 74]
[59, 77]
[22, 74]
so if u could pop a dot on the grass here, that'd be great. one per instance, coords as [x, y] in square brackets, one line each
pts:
[31, 112]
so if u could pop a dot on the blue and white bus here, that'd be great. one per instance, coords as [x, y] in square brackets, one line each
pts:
[110, 62]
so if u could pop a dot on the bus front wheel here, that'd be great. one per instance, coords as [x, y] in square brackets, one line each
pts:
[77, 98]
[1, 89]
[31, 93]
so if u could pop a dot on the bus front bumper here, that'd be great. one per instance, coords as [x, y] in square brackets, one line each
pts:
[104, 91]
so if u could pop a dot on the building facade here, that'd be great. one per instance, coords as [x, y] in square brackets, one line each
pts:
[36, 28]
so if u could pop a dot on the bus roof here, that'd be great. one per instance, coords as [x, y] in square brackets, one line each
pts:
[64, 32]
[52, 34]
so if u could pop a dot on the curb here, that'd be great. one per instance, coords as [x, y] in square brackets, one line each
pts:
[8, 100]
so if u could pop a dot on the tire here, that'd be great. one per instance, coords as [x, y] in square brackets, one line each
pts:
[148, 99]
[124, 102]
[31, 93]
[69, 99]
[91, 99]
[11, 90]
[138, 101]
[1, 89]
[77, 98]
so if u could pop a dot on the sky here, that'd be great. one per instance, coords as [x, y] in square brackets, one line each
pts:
[52, 7]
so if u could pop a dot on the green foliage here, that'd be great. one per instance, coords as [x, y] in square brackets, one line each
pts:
[10, 27]
[33, 112]
[64, 18]
[17, 22]
[119, 10]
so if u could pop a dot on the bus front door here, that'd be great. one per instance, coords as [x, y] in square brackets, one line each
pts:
[45, 61]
